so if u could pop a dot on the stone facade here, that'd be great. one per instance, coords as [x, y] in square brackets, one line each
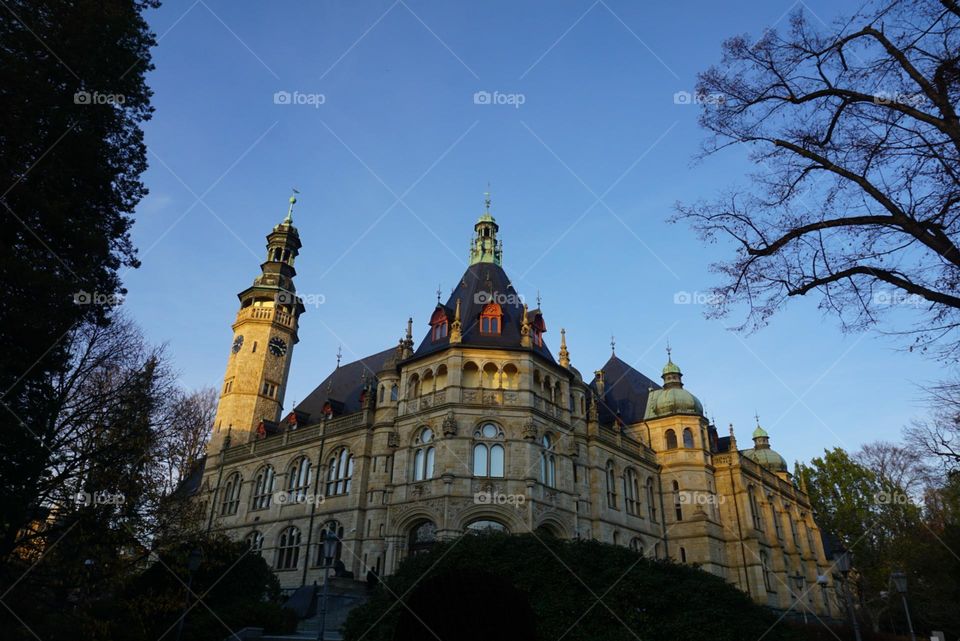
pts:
[470, 432]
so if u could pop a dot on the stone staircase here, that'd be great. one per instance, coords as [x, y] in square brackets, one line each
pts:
[343, 595]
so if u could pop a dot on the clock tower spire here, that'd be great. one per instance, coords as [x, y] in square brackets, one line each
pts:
[264, 333]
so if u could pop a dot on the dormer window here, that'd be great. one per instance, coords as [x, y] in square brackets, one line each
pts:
[438, 324]
[491, 319]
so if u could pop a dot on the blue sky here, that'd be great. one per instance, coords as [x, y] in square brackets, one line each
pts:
[392, 154]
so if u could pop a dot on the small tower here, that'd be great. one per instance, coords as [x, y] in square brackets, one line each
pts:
[485, 248]
[264, 333]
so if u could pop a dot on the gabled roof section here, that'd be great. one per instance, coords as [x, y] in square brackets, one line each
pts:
[343, 386]
[625, 393]
[481, 284]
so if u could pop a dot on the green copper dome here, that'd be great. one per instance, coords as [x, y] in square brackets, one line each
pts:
[760, 433]
[768, 458]
[670, 368]
[675, 400]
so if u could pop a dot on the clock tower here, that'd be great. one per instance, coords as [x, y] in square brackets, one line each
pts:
[264, 334]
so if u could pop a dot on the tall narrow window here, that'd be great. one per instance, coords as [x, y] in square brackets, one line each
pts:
[231, 495]
[298, 480]
[765, 568]
[340, 473]
[631, 491]
[687, 437]
[255, 541]
[487, 452]
[548, 462]
[777, 526]
[611, 485]
[423, 457]
[288, 549]
[262, 488]
[651, 503]
[394, 392]
[754, 508]
[677, 503]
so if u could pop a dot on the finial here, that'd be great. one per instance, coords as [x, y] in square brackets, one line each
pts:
[733, 439]
[456, 313]
[563, 337]
[564, 354]
[410, 329]
[486, 199]
[339, 356]
[439, 293]
[538, 299]
[757, 417]
[669, 353]
[613, 345]
[293, 201]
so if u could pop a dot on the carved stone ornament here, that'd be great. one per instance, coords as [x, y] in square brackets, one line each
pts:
[393, 439]
[449, 425]
[530, 430]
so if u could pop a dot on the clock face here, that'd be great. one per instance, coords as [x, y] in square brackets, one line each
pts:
[277, 346]
[237, 343]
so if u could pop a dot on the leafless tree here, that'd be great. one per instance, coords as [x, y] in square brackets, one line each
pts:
[937, 437]
[897, 466]
[191, 418]
[856, 196]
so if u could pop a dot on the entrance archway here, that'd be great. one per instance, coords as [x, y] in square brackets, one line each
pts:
[460, 605]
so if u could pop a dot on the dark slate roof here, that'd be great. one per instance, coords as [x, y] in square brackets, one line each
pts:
[625, 392]
[477, 284]
[190, 485]
[342, 388]
[832, 544]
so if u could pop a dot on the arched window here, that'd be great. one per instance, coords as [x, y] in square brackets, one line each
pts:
[438, 324]
[441, 377]
[382, 391]
[677, 503]
[298, 480]
[471, 375]
[288, 549]
[394, 392]
[548, 463]
[231, 495]
[422, 537]
[777, 526]
[340, 472]
[687, 437]
[490, 319]
[423, 457]
[426, 386]
[671, 439]
[262, 488]
[413, 387]
[631, 491]
[651, 504]
[636, 544]
[255, 541]
[488, 454]
[793, 526]
[754, 508]
[611, 486]
[336, 529]
[491, 377]
[485, 526]
[683, 555]
[511, 377]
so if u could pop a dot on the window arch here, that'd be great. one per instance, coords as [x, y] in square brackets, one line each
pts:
[340, 472]
[510, 378]
[485, 526]
[651, 504]
[255, 541]
[231, 495]
[765, 568]
[488, 453]
[336, 529]
[611, 485]
[671, 437]
[263, 488]
[636, 544]
[471, 375]
[413, 387]
[383, 389]
[394, 392]
[422, 537]
[424, 455]
[677, 503]
[490, 319]
[548, 462]
[427, 383]
[288, 549]
[438, 324]
[441, 377]
[490, 376]
[687, 437]
[298, 480]
[631, 491]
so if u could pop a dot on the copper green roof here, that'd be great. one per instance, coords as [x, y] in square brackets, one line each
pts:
[674, 400]
[768, 458]
[671, 368]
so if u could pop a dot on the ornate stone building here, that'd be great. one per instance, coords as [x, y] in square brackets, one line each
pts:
[479, 426]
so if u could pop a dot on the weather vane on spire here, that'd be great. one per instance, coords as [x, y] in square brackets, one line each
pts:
[669, 352]
[486, 199]
[439, 292]
[339, 356]
[613, 344]
[293, 201]
[756, 416]
[538, 299]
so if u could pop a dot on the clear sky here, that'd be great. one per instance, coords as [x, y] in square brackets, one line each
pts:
[391, 148]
